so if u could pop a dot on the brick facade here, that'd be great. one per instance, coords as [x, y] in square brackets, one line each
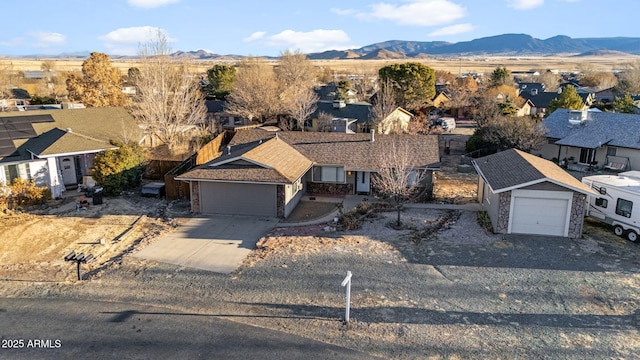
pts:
[195, 197]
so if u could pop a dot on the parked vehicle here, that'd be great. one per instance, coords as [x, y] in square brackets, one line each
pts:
[617, 203]
[448, 123]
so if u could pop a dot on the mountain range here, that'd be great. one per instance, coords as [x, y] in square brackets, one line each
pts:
[505, 44]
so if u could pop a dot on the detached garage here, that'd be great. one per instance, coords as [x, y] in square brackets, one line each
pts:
[525, 194]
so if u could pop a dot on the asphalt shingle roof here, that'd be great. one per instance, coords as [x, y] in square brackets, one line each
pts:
[511, 169]
[360, 112]
[600, 128]
[293, 152]
[89, 129]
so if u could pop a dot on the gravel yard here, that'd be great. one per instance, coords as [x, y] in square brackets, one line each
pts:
[441, 289]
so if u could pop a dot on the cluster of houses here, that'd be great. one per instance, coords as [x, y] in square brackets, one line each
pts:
[265, 172]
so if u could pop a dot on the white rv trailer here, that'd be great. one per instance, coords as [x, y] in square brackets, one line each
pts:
[617, 203]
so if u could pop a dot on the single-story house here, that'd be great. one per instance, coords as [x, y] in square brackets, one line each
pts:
[526, 194]
[55, 148]
[601, 139]
[359, 112]
[541, 100]
[266, 173]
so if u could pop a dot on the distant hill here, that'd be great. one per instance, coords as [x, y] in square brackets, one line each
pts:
[506, 44]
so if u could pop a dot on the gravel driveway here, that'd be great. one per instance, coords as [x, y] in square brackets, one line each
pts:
[443, 289]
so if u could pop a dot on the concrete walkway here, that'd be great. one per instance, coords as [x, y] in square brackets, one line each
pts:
[215, 243]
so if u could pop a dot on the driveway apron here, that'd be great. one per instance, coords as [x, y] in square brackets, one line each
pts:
[215, 243]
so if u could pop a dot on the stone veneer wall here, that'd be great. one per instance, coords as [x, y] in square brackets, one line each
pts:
[577, 215]
[195, 197]
[329, 188]
[280, 200]
[504, 205]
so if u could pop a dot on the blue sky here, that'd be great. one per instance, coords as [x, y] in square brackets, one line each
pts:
[266, 28]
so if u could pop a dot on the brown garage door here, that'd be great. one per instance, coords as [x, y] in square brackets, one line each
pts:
[238, 199]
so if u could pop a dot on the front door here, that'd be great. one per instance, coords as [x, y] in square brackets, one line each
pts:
[68, 170]
[363, 181]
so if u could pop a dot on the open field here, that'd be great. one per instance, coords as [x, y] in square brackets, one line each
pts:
[454, 65]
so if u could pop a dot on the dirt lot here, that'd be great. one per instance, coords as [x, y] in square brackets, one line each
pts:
[440, 288]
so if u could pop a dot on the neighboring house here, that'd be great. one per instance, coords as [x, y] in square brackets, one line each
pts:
[603, 139]
[264, 173]
[360, 112]
[218, 118]
[525, 194]
[15, 99]
[442, 99]
[525, 74]
[532, 88]
[605, 96]
[540, 102]
[397, 122]
[55, 148]
[524, 107]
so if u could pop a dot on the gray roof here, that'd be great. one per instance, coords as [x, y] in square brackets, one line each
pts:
[512, 169]
[78, 130]
[353, 151]
[600, 128]
[360, 111]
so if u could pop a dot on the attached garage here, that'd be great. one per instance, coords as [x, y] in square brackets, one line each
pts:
[540, 212]
[238, 198]
[525, 194]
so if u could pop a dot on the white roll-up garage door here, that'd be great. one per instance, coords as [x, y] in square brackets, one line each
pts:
[540, 212]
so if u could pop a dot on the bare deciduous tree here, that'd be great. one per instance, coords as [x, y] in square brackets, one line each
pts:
[324, 122]
[300, 103]
[630, 78]
[384, 103]
[256, 92]
[397, 179]
[296, 76]
[168, 100]
[514, 132]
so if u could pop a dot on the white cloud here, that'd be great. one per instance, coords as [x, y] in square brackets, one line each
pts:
[417, 12]
[525, 4]
[312, 41]
[255, 36]
[46, 39]
[148, 4]
[452, 30]
[125, 41]
[343, 11]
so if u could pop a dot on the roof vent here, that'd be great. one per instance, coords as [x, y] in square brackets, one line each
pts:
[228, 150]
[339, 104]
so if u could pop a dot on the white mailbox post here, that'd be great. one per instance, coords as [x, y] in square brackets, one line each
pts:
[347, 282]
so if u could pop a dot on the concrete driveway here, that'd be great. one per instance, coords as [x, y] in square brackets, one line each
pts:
[215, 243]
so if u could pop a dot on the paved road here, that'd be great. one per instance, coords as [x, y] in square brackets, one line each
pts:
[48, 329]
[215, 243]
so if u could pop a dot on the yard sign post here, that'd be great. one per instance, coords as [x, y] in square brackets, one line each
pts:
[347, 282]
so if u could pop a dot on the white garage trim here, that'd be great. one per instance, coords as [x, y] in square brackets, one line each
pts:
[540, 212]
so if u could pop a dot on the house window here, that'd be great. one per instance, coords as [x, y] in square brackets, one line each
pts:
[587, 156]
[12, 172]
[612, 151]
[295, 187]
[328, 174]
[602, 202]
[623, 207]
